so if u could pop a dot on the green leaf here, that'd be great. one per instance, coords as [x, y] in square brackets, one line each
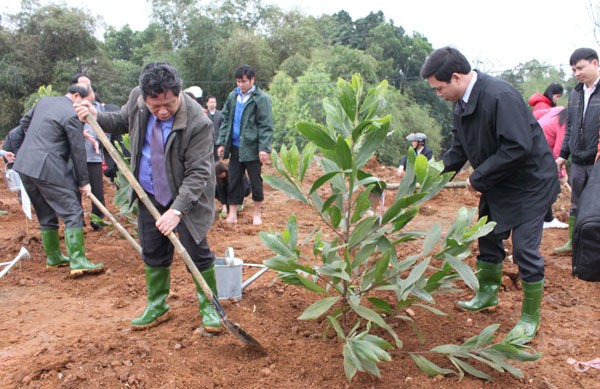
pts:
[421, 168]
[316, 134]
[359, 232]
[292, 228]
[318, 308]
[275, 244]
[447, 349]
[372, 142]
[516, 352]
[382, 305]
[430, 368]
[307, 157]
[487, 335]
[312, 286]
[335, 268]
[432, 238]
[470, 369]
[431, 309]
[464, 271]
[347, 99]
[350, 362]
[373, 316]
[322, 180]
[343, 154]
[336, 326]
[286, 187]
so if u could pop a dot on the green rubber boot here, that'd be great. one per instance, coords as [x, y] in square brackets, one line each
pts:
[78, 262]
[526, 328]
[210, 317]
[158, 283]
[489, 276]
[50, 241]
[566, 249]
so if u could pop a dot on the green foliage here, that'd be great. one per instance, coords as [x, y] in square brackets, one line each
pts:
[43, 91]
[407, 117]
[354, 267]
[127, 214]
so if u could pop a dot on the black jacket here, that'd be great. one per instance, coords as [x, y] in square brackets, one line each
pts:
[581, 136]
[513, 165]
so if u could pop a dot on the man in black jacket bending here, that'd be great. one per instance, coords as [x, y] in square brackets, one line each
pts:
[513, 170]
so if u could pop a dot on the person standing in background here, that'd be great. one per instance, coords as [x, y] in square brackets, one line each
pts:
[94, 153]
[553, 120]
[548, 99]
[216, 117]
[581, 137]
[245, 137]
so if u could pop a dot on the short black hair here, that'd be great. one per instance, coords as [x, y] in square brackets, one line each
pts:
[583, 53]
[81, 89]
[75, 79]
[245, 70]
[444, 62]
[210, 97]
[158, 78]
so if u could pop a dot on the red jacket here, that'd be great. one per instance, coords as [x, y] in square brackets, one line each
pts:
[538, 101]
[554, 132]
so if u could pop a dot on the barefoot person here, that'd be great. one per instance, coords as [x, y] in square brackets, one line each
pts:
[245, 138]
[514, 171]
[172, 158]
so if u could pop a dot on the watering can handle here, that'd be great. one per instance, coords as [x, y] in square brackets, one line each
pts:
[229, 256]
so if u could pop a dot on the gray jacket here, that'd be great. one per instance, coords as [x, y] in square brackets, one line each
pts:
[54, 135]
[188, 156]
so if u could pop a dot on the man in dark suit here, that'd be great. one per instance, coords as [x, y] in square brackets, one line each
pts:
[54, 135]
[514, 171]
[215, 116]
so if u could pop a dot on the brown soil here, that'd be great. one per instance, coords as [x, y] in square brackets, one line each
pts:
[58, 331]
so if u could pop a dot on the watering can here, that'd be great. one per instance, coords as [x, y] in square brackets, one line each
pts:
[228, 273]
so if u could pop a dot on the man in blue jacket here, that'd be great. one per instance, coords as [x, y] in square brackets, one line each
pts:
[245, 138]
[514, 171]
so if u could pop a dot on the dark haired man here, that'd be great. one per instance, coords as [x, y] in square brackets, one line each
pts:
[514, 171]
[215, 116]
[245, 138]
[172, 157]
[581, 137]
[54, 136]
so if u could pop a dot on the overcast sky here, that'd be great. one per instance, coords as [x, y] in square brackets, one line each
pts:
[493, 35]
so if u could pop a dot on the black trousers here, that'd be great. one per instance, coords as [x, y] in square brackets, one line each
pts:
[50, 202]
[237, 171]
[526, 239]
[157, 249]
[95, 175]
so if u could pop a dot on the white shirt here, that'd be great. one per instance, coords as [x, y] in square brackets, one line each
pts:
[587, 92]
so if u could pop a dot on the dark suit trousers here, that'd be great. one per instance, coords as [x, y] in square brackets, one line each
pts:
[157, 250]
[95, 175]
[526, 239]
[237, 171]
[50, 201]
